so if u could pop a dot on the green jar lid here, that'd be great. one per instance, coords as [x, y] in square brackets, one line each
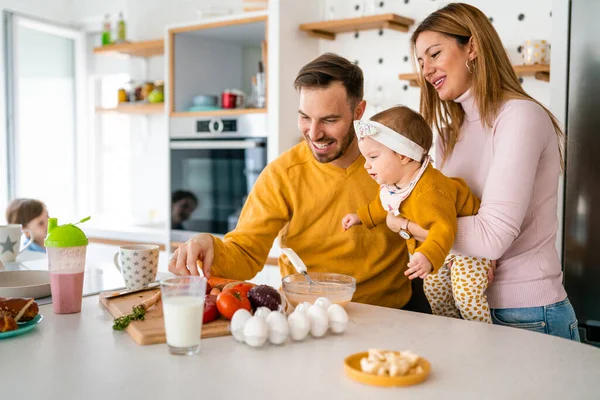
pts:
[67, 235]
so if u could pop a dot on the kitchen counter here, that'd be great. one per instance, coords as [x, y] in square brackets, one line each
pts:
[79, 356]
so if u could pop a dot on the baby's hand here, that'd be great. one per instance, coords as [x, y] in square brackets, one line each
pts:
[418, 267]
[350, 220]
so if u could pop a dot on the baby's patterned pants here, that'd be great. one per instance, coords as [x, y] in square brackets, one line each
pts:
[459, 291]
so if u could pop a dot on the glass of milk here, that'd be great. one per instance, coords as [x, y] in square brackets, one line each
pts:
[183, 310]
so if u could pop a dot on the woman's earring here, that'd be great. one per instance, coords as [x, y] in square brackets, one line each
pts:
[468, 68]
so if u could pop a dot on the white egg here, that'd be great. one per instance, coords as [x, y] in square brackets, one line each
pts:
[237, 323]
[256, 331]
[299, 325]
[262, 312]
[323, 302]
[319, 322]
[278, 327]
[338, 318]
[303, 307]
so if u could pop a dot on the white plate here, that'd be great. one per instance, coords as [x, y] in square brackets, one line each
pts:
[34, 284]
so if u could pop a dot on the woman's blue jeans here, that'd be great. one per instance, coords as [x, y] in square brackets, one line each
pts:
[555, 319]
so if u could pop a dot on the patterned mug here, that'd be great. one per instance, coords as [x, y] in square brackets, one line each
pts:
[10, 241]
[536, 52]
[138, 263]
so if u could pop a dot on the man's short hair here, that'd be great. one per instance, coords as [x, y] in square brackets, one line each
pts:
[329, 68]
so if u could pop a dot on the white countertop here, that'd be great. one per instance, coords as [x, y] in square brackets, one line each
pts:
[128, 233]
[79, 356]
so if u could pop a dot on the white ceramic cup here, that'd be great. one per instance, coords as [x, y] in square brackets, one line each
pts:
[138, 263]
[10, 241]
[536, 52]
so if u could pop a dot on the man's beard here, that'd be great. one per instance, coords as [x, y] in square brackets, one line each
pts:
[344, 145]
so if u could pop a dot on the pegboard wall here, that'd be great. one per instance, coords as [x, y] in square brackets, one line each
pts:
[384, 54]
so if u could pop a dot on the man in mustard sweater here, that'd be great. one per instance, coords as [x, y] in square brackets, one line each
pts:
[302, 195]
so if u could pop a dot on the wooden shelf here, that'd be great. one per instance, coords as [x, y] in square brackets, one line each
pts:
[328, 29]
[136, 108]
[218, 113]
[539, 71]
[147, 48]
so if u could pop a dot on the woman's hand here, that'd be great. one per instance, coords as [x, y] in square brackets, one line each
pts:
[187, 258]
[397, 223]
[491, 272]
[350, 220]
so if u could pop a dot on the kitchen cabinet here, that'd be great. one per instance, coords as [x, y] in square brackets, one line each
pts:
[212, 55]
[209, 58]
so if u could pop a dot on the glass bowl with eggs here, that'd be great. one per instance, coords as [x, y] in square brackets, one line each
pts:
[338, 288]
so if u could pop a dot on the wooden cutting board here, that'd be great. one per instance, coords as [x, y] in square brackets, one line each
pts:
[152, 329]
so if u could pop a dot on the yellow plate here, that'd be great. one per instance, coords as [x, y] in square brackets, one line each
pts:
[353, 370]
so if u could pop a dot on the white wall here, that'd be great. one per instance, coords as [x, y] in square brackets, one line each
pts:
[54, 10]
[147, 168]
[393, 47]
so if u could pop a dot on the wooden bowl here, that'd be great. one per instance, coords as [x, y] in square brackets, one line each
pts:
[353, 370]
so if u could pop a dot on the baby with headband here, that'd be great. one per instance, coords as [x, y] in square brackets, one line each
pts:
[395, 144]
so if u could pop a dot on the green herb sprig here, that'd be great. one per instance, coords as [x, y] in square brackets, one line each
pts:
[139, 313]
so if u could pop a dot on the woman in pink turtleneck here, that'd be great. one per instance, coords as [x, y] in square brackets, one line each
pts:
[507, 147]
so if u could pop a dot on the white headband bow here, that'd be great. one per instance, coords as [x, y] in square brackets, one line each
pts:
[389, 138]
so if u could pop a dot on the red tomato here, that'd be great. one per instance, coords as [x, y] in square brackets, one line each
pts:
[230, 300]
[243, 288]
[210, 308]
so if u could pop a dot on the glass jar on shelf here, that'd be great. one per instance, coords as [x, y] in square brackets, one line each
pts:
[130, 90]
[147, 88]
[122, 96]
[157, 94]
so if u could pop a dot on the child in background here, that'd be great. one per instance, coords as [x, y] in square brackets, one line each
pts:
[395, 144]
[32, 214]
[183, 204]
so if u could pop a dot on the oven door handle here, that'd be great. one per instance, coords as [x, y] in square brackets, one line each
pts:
[216, 144]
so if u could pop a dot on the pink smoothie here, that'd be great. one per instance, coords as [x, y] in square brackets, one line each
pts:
[66, 292]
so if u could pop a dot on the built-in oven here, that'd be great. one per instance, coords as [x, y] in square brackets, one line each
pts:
[214, 163]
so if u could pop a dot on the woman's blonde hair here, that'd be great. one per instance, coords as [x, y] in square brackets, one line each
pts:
[494, 79]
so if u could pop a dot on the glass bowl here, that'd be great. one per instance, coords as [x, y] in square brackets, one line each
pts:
[336, 287]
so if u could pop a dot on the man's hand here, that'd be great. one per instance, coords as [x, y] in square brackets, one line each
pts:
[418, 267]
[350, 220]
[394, 223]
[199, 248]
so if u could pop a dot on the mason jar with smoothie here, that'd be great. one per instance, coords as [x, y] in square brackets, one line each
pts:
[66, 246]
